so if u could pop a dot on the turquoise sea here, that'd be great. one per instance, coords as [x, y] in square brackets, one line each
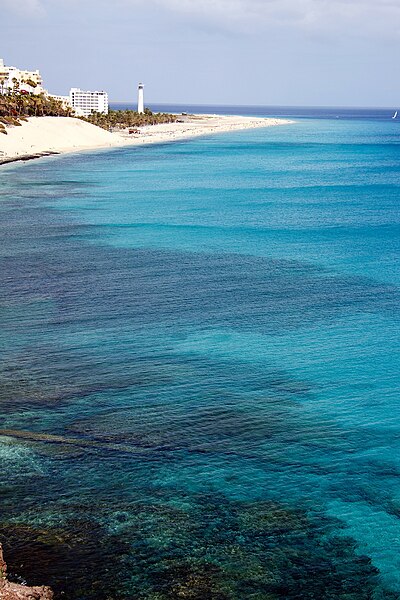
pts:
[199, 378]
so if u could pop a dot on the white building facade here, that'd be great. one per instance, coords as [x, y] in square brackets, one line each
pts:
[65, 100]
[20, 79]
[85, 102]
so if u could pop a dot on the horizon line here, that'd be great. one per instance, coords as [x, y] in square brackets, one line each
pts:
[340, 107]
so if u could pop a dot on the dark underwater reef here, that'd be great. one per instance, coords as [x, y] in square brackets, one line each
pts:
[205, 548]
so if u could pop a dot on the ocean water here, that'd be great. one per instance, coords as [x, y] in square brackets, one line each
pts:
[302, 112]
[199, 379]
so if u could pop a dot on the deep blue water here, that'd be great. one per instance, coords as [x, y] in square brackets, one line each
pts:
[302, 112]
[200, 367]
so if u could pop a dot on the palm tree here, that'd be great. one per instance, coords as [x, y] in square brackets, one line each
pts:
[15, 85]
[3, 79]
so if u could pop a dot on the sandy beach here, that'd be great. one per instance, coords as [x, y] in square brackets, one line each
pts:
[41, 136]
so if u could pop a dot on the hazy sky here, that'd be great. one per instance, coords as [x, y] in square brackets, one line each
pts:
[282, 52]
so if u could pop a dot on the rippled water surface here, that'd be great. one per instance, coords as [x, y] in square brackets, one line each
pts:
[199, 384]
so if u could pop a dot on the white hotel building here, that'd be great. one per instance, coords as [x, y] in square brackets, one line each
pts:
[11, 77]
[85, 103]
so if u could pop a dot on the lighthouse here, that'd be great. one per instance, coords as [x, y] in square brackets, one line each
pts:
[140, 102]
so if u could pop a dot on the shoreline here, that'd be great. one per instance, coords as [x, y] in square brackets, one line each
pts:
[48, 136]
[26, 157]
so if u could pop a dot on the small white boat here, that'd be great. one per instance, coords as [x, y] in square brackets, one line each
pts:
[395, 115]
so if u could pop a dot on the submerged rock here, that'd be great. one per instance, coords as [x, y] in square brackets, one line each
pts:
[16, 591]
[204, 547]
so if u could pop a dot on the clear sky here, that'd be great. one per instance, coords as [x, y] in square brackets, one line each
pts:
[268, 52]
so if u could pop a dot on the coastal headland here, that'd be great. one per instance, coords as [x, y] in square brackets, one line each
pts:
[43, 136]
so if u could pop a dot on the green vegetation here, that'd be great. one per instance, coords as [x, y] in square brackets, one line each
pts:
[120, 119]
[17, 105]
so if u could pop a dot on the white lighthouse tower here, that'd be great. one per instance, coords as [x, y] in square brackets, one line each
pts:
[140, 103]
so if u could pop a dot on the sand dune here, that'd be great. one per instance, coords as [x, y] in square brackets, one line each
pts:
[53, 134]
